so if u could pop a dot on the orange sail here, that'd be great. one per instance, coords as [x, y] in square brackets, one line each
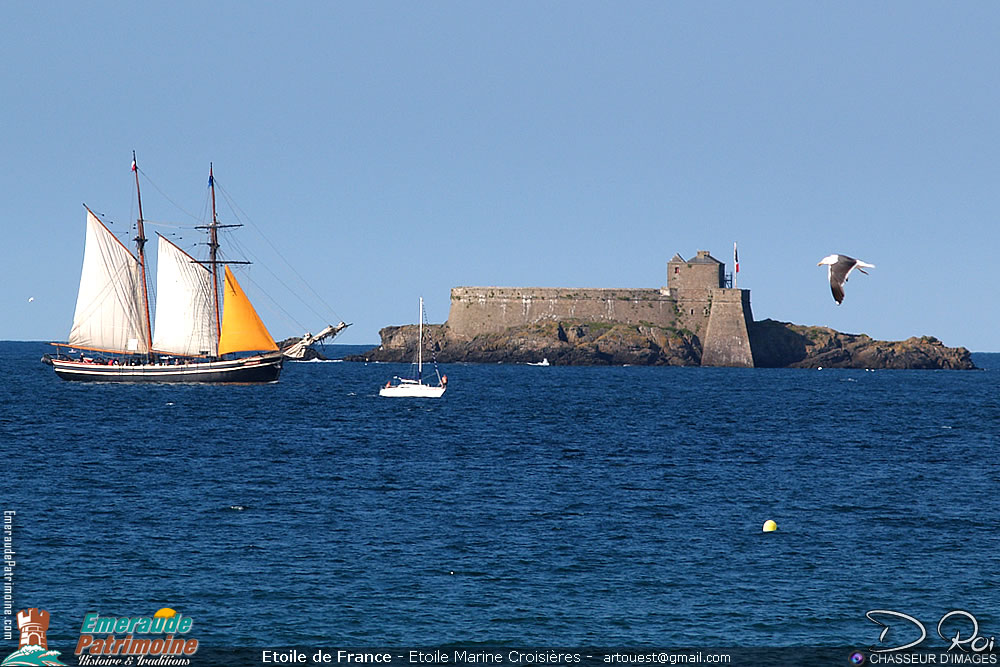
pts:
[242, 329]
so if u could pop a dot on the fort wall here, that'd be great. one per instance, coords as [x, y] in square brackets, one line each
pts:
[480, 310]
[719, 317]
[695, 300]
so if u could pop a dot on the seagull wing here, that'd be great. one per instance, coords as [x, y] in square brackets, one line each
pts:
[858, 264]
[842, 268]
[838, 272]
[836, 285]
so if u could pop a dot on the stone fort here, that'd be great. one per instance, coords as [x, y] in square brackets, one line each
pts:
[697, 297]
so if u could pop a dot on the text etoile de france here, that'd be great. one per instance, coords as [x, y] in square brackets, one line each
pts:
[429, 657]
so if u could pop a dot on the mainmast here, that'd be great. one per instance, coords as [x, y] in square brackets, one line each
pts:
[213, 248]
[213, 253]
[140, 244]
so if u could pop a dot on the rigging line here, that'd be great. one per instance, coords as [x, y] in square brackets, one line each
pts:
[423, 317]
[297, 293]
[311, 308]
[169, 225]
[276, 304]
[244, 251]
[308, 285]
[165, 196]
[206, 208]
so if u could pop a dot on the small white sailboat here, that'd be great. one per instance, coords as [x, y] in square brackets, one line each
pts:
[409, 387]
[543, 362]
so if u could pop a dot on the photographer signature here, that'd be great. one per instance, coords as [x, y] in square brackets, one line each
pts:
[970, 642]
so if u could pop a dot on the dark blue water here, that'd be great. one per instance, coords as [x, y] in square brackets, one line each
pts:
[558, 506]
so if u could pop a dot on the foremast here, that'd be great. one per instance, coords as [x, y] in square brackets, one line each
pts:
[140, 245]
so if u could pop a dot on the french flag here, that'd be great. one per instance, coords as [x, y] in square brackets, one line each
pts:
[736, 258]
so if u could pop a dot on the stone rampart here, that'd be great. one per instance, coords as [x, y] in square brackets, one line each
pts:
[479, 310]
[719, 317]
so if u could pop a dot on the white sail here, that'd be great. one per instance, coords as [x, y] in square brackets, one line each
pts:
[110, 312]
[185, 308]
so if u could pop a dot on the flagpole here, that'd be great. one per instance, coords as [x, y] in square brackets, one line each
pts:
[736, 267]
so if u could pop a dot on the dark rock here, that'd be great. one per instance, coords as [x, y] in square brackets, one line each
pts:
[566, 343]
[573, 342]
[782, 344]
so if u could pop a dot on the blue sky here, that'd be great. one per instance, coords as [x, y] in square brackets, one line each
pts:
[391, 150]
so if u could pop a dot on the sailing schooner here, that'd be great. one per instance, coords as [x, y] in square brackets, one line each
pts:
[195, 339]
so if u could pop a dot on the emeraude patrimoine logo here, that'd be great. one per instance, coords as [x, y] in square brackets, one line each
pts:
[33, 649]
[136, 636]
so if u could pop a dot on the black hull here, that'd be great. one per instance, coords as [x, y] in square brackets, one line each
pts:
[241, 371]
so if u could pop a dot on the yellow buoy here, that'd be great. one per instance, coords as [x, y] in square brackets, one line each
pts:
[770, 526]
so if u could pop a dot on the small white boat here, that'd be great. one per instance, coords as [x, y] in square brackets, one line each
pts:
[414, 388]
[543, 362]
[409, 387]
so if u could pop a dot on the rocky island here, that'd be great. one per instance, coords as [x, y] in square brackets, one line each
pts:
[697, 320]
[776, 345]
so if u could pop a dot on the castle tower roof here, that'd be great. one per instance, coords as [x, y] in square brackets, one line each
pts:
[703, 257]
[677, 257]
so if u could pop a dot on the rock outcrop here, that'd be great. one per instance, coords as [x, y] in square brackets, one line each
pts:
[310, 353]
[575, 342]
[567, 343]
[782, 344]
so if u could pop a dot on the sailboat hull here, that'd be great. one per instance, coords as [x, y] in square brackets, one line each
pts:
[257, 369]
[413, 390]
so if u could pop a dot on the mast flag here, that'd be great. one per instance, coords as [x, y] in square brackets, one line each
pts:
[736, 263]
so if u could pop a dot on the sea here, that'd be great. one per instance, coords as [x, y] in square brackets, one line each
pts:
[530, 506]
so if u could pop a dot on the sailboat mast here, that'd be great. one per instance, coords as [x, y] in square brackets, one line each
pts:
[213, 247]
[140, 244]
[213, 254]
[420, 344]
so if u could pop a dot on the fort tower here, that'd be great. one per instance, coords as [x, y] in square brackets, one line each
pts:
[33, 624]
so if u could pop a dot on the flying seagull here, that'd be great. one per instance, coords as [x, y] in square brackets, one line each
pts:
[838, 267]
